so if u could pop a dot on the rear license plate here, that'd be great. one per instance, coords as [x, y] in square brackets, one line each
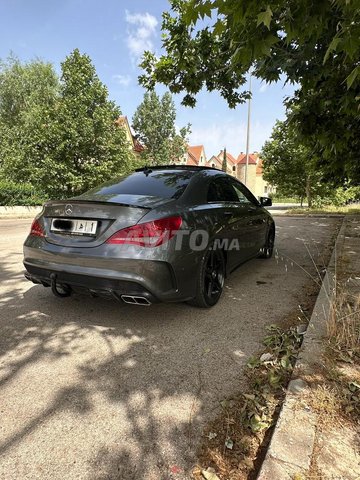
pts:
[74, 226]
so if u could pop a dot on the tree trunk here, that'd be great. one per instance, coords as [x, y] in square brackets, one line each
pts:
[308, 191]
[301, 200]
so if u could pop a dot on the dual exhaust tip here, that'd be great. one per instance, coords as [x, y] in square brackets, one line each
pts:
[135, 300]
[132, 299]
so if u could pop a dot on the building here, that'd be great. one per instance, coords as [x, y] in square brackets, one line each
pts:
[255, 179]
[216, 161]
[195, 155]
[252, 181]
[133, 142]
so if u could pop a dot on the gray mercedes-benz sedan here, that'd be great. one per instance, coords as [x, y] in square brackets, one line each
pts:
[169, 234]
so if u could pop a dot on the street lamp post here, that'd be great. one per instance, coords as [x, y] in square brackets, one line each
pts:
[248, 133]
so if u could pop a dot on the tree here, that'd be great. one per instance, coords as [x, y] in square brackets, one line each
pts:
[90, 148]
[329, 131]
[28, 96]
[59, 135]
[224, 162]
[290, 166]
[154, 122]
[214, 43]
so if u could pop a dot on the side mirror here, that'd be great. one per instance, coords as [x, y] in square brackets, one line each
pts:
[265, 201]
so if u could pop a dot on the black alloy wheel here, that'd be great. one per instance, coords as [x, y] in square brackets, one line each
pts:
[268, 249]
[211, 279]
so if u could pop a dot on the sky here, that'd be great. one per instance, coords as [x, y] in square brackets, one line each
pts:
[114, 33]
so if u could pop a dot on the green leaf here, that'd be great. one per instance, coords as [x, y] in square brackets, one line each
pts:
[285, 363]
[253, 362]
[332, 47]
[352, 77]
[265, 17]
[191, 15]
[274, 379]
[219, 27]
[204, 10]
[257, 424]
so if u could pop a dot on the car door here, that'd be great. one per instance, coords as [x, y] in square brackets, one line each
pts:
[233, 223]
[256, 222]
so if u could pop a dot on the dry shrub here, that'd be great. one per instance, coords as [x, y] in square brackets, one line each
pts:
[343, 326]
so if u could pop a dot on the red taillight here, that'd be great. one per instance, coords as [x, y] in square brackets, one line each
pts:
[149, 234]
[36, 229]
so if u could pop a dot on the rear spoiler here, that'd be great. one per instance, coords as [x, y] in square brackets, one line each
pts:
[53, 203]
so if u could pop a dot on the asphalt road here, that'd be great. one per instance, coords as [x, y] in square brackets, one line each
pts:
[91, 389]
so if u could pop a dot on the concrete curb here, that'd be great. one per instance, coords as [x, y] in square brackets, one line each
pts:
[292, 442]
[19, 212]
[306, 215]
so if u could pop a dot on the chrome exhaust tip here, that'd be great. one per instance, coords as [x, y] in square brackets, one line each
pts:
[135, 300]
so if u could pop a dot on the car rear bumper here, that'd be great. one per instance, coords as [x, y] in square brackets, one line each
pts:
[110, 277]
[94, 286]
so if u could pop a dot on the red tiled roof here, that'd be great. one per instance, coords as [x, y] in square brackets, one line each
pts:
[229, 157]
[195, 151]
[242, 159]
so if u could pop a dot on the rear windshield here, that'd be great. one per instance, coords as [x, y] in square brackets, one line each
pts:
[164, 184]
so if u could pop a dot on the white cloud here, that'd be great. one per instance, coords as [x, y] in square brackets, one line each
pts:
[123, 80]
[231, 135]
[263, 87]
[141, 32]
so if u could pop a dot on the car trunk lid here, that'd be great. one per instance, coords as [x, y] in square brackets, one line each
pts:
[98, 218]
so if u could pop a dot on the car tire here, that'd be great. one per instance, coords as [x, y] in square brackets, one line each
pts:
[210, 279]
[268, 248]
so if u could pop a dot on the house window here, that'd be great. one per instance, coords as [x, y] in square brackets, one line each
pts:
[234, 168]
[213, 165]
[266, 189]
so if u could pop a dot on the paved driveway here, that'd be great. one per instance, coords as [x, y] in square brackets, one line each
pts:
[91, 389]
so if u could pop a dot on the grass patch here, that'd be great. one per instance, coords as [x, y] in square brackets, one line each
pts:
[335, 386]
[342, 353]
[329, 209]
[280, 199]
[343, 327]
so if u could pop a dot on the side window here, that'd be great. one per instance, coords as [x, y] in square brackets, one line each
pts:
[245, 197]
[220, 190]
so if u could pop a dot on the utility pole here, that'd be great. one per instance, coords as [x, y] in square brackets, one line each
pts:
[248, 133]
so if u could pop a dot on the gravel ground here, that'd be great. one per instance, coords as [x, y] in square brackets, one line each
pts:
[91, 389]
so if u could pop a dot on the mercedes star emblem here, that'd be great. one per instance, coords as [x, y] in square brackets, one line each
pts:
[68, 209]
